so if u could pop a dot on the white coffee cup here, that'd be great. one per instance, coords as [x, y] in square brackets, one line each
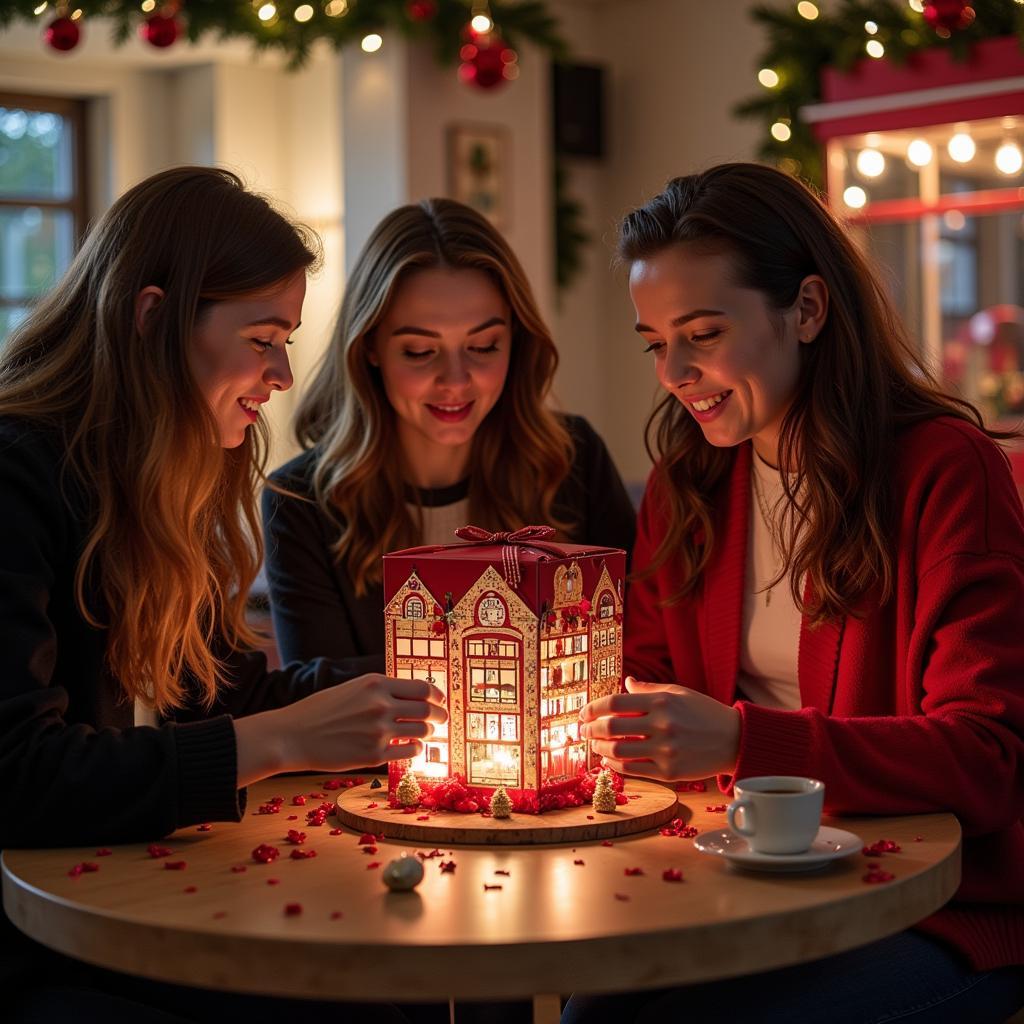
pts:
[777, 813]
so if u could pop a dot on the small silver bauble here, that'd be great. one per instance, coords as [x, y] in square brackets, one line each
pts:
[403, 873]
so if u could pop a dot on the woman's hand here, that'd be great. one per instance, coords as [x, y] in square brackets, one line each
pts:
[366, 720]
[662, 731]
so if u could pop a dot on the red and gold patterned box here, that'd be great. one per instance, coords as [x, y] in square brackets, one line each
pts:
[519, 633]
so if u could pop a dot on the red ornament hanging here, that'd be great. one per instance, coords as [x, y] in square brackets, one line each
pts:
[948, 15]
[487, 64]
[421, 10]
[161, 29]
[62, 34]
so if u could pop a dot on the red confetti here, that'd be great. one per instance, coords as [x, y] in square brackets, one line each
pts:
[633, 871]
[270, 808]
[158, 851]
[580, 862]
[367, 839]
[336, 915]
[716, 808]
[372, 805]
[335, 832]
[294, 837]
[500, 871]
[298, 801]
[878, 876]
[217, 914]
[369, 849]
[429, 856]
[317, 796]
[302, 854]
[488, 888]
[292, 909]
[75, 871]
[607, 842]
[423, 817]
[679, 828]
[881, 846]
[264, 853]
[175, 865]
[238, 869]
[103, 852]
[205, 828]
[672, 875]
[332, 783]
[447, 867]
[373, 864]
[86, 868]
[273, 881]
[590, 817]
[917, 839]
[292, 817]
[622, 896]
[190, 888]
[695, 786]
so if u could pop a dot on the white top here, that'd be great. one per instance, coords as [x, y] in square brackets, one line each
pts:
[441, 521]
[770, 638]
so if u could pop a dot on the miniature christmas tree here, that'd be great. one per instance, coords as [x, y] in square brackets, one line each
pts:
[501, 805]
[604, 792]
[408, 791]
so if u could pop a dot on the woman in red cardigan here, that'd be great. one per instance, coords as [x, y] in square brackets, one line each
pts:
[830, 582]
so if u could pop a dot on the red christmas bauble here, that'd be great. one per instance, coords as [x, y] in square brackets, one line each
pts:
[62, 34]
[421, 10]
[951, 15]
[486, 64]
[160, 30]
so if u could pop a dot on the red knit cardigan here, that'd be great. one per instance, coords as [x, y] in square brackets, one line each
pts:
[917, 707]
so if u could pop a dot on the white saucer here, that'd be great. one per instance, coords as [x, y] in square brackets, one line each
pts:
[830, 844]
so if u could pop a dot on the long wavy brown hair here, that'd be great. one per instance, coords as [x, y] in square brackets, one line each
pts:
[858, 384]
[521, 452]
[173, 543]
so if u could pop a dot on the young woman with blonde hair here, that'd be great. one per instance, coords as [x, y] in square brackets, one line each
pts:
[428, 412]
[130, 444]
[830, 562]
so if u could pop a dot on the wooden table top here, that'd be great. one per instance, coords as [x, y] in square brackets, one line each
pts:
[553, 926]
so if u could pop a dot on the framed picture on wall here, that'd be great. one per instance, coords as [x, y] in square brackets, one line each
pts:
[478, 170]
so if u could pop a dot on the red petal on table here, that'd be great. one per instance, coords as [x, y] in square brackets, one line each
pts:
[268, 809]
[621, 798]
[409, 810]
[158, 851]
[488, 888]
[875, 877]
[696, 786]
[295, 837]
[265, 853]
[175, 865]
[336, 915]
[369, 849]
[298, 801]
[500, 871]
[205, 828]
[335, 832]
[103, 852]
[292, 817]
[273, 881]
[331, 783]
[429, 856]
[880, 846]
[373, 864]
[590, 817]
[633, 871]
[292, 909]
[423, 817]
[276, 800]
[317, 796]
[372, 804]
[238, 868]
[75, 871]
[447, 867]
[580, 862]
[367, 839]
[716, 808]
[621, 896]
[302, 854]
[190, 888]
[89, 867]
[672, 875]
[607, 842]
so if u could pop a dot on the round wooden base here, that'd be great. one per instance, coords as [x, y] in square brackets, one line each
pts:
[649, 806]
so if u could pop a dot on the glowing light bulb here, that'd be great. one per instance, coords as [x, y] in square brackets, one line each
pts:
[768, 78]
[807, 10]
[303, 13]
[962, 148]
[148, 5]
[481, 24]
[372, 43]
[870, 163]
[781, 131]
[871, 28]
[267, 12]
[855, 197]
[875, 48]
[39, 10]
[916, 5]
[336, 8]
[920, 153]
[1008, 158]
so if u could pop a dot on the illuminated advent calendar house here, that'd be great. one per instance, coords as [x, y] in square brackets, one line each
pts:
[518, 633]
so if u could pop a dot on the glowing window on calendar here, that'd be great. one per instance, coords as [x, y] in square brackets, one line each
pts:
[414, 608]
[606, 606]
[493, 764]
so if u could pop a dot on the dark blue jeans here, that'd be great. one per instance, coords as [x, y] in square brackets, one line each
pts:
[904, 978]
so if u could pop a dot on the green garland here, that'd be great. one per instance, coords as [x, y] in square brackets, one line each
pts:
[233, 19]
[799, 50]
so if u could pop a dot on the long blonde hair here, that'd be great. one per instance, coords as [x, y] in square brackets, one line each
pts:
[173, 541]
[521, 452]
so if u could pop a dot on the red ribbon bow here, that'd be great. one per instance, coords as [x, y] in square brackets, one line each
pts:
[509, 553]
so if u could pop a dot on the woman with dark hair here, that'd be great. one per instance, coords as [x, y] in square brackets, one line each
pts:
[830, 561]
[428, 412]
[130, 444]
